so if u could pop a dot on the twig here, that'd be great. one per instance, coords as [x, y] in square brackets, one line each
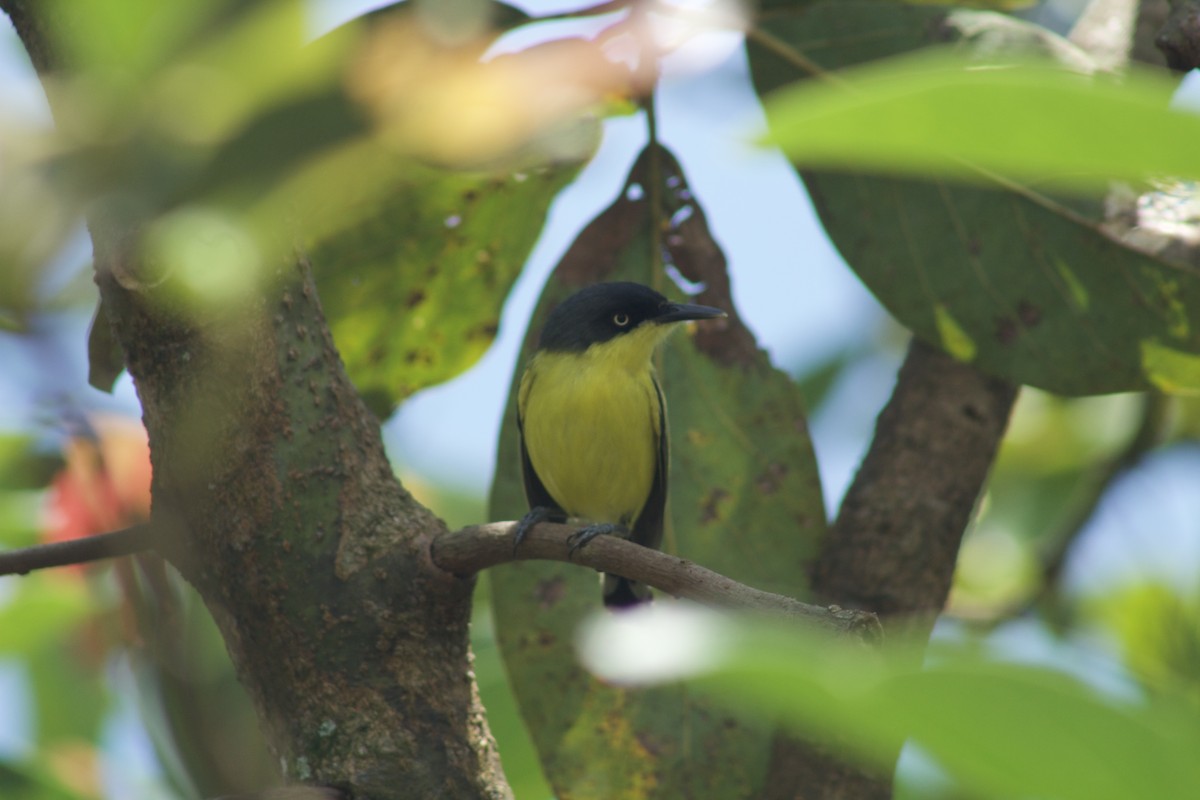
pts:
[472, 549]
[125, 542]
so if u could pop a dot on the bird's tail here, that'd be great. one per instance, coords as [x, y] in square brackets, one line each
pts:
[622, 593]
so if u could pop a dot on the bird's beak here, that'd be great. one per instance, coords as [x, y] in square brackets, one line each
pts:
[680, 312]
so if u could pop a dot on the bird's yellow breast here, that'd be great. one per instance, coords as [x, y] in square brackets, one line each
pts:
[591, 423]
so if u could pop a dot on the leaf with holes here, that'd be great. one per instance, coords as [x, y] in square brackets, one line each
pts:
[413, 291]
[744, 500]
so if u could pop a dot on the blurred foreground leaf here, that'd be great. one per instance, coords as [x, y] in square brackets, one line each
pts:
[1003, 730]
[946, 113]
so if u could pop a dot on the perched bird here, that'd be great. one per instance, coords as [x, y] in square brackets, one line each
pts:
[593, 419]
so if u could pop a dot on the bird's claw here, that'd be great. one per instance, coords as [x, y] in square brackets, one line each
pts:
[535, 515]
[584, 535]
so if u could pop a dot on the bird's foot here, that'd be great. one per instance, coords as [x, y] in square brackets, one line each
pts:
[533, 517]
[584, 535]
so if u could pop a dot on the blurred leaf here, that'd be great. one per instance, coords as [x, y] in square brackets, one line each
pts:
[1002, 5]
[521, 765]
[247, 135]
[1020, 284]
[948, 114]
[45, 611]
[198, 716]
[742, 471]
[23, 465]
[68, 691]
[1159, 633]
[139, 36]
[20, 518]
[32, 781]
[1003, 730]
[35, 220]
[413, 290]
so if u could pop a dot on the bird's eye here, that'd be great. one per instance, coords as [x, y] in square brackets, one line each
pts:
[620, 320]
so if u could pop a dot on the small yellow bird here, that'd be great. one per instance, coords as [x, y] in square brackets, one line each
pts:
[593, 420]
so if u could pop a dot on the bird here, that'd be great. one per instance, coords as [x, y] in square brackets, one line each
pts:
[593, 420]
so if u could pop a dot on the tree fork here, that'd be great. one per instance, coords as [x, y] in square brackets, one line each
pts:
[895, 542]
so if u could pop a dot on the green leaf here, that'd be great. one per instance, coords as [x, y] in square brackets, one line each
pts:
[948, 114]
[45, 612]
[33, 780]
[744, 500]
[1158, 630]
[1022, 285]
[23, 465]
[1002, 730]
[413, 290]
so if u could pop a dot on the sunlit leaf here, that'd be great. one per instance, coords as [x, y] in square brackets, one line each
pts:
[744, 500]
[1024, 286]
[413, 289]
[1158, 630]
[946, 113]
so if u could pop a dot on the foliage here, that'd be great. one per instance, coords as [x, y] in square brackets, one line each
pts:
[751, 477]
[1002, 729]
[417, 170]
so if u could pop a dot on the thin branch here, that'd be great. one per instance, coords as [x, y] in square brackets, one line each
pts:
[472, 549]
[796, 58]
[125, 542]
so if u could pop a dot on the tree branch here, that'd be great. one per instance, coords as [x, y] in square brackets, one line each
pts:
[895, 542]
[125, 542]
[896, 538]
[475, 548]
[472, 549]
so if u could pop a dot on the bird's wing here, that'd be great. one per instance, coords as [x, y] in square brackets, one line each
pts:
[535, 491]
[648, 529]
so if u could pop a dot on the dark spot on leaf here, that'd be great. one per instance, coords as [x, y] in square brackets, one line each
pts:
[972, 413]
[376, 354]
[1030, 314]
[546, 638]
[485, 330]
[550, 592]
[419, 356]
[769, 481]
[1006, 330]
[415, 298]
[649, 743]
[708, 506]
[973, 246]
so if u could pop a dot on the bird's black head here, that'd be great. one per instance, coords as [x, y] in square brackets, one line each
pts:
[606, 310]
